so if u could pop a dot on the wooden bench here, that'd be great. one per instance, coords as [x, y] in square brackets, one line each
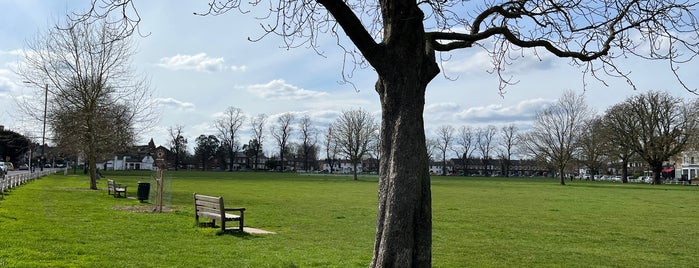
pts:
[115, 189]
[212, 207]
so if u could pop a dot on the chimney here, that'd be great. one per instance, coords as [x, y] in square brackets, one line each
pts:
[2, 128]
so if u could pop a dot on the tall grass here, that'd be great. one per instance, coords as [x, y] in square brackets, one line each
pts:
[329, 221]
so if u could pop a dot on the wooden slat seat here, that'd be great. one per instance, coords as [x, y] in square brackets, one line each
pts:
[115, 189]
[212, 207]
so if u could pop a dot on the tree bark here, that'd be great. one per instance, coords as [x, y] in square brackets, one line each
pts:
[404, 220]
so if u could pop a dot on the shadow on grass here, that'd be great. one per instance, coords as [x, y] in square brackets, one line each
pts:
[227, 232]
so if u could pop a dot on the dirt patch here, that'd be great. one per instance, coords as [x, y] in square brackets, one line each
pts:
[143, 209]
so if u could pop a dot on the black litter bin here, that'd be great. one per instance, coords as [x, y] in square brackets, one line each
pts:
[143, 191]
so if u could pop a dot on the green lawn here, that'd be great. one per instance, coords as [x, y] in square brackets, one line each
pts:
[328, 221]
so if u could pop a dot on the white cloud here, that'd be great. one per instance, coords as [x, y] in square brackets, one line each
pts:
[280, 90]
[173, 103]
[522, 111]
[198, 62]
[442, 107]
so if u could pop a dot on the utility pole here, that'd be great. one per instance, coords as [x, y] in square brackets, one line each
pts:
[43, 133]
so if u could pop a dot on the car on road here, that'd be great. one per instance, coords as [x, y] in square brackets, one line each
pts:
[23, 167]
[3, 167]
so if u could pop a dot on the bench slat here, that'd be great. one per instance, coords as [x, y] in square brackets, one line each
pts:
[212, 207]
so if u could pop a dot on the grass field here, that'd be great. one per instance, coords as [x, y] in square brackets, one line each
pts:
[329, 221]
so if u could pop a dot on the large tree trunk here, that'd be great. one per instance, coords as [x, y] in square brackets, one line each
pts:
[404, 220]
[624, 171]
[657, 171]
[562, 175]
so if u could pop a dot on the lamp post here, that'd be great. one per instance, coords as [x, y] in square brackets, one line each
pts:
[43, 132]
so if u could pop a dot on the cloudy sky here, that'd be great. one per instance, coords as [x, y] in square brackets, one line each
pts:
[198, 66]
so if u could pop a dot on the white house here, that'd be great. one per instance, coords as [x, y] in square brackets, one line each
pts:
[342, 166]
[130, 163]
[690, 165]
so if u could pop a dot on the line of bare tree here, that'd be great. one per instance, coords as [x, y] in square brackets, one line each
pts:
[353, 136]
[652, 127]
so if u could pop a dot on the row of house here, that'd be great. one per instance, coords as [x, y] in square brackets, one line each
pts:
[141, 158]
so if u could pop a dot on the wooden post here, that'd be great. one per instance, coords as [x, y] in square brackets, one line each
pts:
[159, 179]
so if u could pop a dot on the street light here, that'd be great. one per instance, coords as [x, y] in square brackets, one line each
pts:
[43, 132]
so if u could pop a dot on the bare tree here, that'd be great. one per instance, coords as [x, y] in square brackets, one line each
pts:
[509, 138]
[309, 139]
[331, 147]
[595, 146]
[465, 145]
[95, 97]
[257, 125]
[485, 142]
[658, 126]
[399, 41]
[354, 131]
[281, 132]
[178, 144]
[554, 137]
[444, 140]
[228, 127]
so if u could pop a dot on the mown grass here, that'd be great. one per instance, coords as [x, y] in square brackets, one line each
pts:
[329, 221]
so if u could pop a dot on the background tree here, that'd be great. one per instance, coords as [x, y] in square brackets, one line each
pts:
[399, 42]
[281, 132]
[464, 145]
[595, 145]
[252, 152]
[658, 126]
[485, 142]
[228, 127]
[309, 139]
[554, 137]
[178, 144]
[354, 130]
[13, 145]
[206, 149]
[331, 147]
[509, 138]
[443, 141]
[95, 98]
[257, 124]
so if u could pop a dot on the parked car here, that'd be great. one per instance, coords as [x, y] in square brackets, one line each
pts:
[3, 167]
[10, 166]
[23, 167]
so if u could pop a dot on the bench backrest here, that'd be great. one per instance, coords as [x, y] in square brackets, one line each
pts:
[205, 203]
[110, 185]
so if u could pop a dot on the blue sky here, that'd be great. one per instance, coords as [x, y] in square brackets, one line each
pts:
[199, 66]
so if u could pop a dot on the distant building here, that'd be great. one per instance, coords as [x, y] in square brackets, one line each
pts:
[134, 158]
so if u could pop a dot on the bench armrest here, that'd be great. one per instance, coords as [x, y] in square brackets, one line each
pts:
[235, 209]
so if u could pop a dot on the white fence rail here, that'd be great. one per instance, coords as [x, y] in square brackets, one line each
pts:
[14, 180]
